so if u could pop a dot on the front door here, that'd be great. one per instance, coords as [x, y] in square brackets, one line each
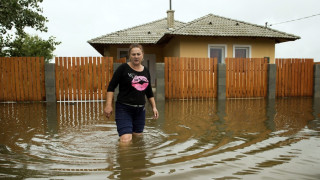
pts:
[150, 62]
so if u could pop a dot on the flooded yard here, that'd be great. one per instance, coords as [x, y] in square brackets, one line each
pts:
[192, 139]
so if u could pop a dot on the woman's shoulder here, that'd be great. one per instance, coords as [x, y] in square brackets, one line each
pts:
[145, 69]
[123, 66]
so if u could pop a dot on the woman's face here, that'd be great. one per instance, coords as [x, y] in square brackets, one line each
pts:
[136, 56]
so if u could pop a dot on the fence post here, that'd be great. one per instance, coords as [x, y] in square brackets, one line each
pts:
[272, 77]
[50, 82]
[221, 81]
[316, 80]
[160, 87]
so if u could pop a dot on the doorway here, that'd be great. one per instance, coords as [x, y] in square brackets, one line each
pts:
[150, 62]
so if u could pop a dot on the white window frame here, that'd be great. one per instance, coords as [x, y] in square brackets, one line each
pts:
[121, 49]
[241, 46]
[219, 46]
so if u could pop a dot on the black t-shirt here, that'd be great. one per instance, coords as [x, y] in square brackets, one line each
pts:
[133, 85]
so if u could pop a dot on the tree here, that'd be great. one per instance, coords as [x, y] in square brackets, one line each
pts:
[31, 46]
[15, 16]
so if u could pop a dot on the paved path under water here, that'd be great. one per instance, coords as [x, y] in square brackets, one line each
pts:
[192, 139]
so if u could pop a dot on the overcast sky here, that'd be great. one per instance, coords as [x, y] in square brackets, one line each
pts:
[74, 22]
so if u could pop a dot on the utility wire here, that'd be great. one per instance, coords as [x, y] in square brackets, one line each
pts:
[293, 20]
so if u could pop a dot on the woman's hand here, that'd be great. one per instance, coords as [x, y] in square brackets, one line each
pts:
[155, 113]
[154, 108]
[108, 111]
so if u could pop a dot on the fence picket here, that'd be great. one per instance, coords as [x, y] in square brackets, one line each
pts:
[73, 78]
[311, 80]
[168, 77]
[94, 81]
[16, 78]
[32, 78]
[82, 81]
[190, 78]
[205, 77]
[22, 75]
[9, 77]
[104, 75]
[180, 73]
[37, 79]
[78, 80]
[57, 77]
[99, 74]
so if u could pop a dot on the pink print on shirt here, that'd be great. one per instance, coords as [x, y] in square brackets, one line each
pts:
[140, 83]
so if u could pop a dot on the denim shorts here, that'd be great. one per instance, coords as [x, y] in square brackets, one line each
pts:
[129, 119]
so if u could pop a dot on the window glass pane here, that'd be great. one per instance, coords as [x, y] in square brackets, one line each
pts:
[240, 53]
[124, 54]
[216, 52]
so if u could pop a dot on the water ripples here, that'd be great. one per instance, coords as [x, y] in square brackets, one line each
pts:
[207, 139]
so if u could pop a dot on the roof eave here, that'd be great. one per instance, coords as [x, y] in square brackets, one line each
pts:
[168, 36]
[98, 47]
[281, 40]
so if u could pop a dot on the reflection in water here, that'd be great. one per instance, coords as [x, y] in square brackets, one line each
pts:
[131, 160]
[192, 139]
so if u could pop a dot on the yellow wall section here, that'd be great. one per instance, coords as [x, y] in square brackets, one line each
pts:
[172, 49]
[198, 46]
[186, 46]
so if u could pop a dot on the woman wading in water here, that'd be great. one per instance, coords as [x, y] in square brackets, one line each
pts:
[134, 84]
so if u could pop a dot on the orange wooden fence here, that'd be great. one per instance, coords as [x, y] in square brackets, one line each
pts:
[82, 78]
[187, 78]
[246, 77]
[121, 60]
[294, 77]
[22, 79]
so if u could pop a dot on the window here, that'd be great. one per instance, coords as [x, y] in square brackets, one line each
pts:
[122, 52]
[242, 51]
[218, 51]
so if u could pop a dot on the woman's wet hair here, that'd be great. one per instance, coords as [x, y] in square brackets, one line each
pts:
[135, 45]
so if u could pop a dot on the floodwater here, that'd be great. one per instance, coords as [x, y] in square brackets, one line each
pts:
[192, 139]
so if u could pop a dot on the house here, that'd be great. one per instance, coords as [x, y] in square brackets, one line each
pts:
[207, 36]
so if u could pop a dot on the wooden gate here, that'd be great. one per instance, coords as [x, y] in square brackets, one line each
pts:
[22, 79]
[187, 78]
[294, 77]
[246, 77]
[82, 78]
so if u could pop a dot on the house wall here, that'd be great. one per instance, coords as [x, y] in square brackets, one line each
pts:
[153, 49]
[198, 46]
[186, 46]
[172, 49]
[112, 51]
